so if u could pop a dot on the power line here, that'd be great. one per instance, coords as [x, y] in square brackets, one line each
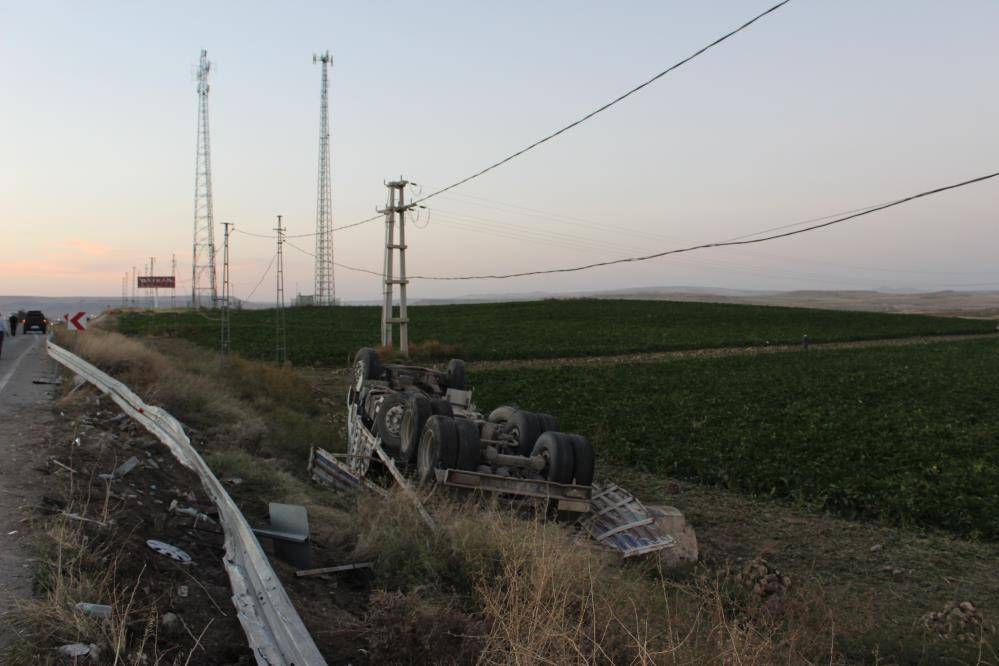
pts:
[573, 124]
[262, 277]
[335, 263]
[763, 239]
[605, 106]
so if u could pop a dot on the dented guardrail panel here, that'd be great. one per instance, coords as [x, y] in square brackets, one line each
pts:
[275, 632]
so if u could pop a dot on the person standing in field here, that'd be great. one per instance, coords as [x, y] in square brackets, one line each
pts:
[3, 330]
[13, 325]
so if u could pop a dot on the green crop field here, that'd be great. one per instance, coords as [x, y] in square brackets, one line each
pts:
[909, 434]
[542, 329]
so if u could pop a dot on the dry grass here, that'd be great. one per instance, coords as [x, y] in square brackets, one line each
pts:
[536, 592]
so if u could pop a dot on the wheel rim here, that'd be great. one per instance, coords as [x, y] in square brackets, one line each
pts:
[393, 419]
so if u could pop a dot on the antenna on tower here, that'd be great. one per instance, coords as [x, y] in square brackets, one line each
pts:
[325, 288]
[203, 292]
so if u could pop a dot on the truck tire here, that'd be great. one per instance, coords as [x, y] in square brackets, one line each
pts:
[502, 413]
[441, 407]
[526, 427]
[556, 447]
[548, 422]
[416, 415]
[583, 460]
[438, 448]
[388, 420]
[367, 365]
[469, 445]
[456, 374]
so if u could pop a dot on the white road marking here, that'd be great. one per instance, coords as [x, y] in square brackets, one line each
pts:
[17, 362]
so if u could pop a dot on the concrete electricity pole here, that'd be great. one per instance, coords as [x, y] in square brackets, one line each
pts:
[224, 301]
[282, 341]
[396, 206]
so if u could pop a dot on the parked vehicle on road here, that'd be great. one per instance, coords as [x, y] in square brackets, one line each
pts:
[426, 420]
[34, 320]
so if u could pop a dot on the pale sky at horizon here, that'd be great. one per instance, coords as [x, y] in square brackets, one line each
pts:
[819, 108]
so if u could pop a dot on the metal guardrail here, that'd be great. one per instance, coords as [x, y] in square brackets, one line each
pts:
[274, 630]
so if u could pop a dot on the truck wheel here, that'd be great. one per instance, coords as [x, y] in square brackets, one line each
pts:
[456, 374]
[556, 447]
[416, 414]
[441, 407]
[469, 445]
[438, 448]
[526, 427]
[502, 413]
[388, 420]
[548, 422]
[367, 365]
[583, 460]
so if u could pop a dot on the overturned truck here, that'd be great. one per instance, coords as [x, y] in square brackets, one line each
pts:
[423, 425]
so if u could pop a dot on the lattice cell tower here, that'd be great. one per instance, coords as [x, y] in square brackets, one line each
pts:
[325, 287]
[203, 292]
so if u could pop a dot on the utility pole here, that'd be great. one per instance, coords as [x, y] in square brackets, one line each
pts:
[152, 272]
[396, 205]
[124, 283]
[133, 286]
[224, 301]
[325, 287]
[203, 292]
[173, 272]
[282, 341]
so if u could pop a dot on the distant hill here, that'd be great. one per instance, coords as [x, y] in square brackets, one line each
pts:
[984, 304]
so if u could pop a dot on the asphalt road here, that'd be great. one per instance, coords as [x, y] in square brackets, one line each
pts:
[25, 419]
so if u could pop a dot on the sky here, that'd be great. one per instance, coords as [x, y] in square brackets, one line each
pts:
[819, 108]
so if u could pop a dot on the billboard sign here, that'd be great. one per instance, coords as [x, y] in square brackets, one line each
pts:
[157, 282]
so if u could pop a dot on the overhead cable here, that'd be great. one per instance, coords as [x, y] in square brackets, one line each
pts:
[703, 246]
[575, 123]
[605, 106]
[261, 281]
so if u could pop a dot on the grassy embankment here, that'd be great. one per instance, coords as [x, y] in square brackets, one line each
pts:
[541, 329]
[486, 586]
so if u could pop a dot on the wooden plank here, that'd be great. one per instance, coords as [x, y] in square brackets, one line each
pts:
[404, 484]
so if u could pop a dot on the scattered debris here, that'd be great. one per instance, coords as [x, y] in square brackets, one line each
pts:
[232, 481]
[336, 569]
[65, 467]
[170, 623]
[173, 552]
[54, 382]
[957, 620]
[96, 610]
[122, 470]
[84, 519]
[75, 650]
[763, 579]
[876, 547]
[175, 507]
[671, 521]
[620, 521]
[183, 591]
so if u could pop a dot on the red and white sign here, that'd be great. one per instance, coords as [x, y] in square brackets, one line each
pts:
[77, 322]
[157, 282]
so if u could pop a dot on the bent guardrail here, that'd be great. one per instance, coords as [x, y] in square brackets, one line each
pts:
[273, 628]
